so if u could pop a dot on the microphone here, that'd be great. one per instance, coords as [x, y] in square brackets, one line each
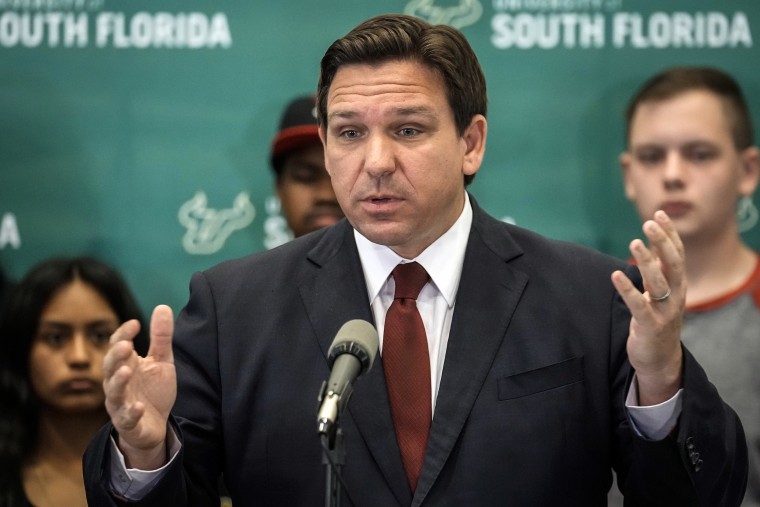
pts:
[352, 353]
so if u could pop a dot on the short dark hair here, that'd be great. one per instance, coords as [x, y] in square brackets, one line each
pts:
[677, 80]
[18, 328]
[400, 37]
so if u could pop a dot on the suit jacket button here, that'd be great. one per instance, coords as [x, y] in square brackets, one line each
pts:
[690, 443]
[694, 458]
[698, 466]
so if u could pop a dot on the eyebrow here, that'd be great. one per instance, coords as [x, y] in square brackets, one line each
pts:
[689, 143]
[66, 325]
[400, 111]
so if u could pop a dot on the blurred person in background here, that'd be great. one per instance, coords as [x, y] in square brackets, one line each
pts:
[307, 199]
[52, 341]
[691, 152]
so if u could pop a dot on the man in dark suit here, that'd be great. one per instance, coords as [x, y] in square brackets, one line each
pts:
[547, 364]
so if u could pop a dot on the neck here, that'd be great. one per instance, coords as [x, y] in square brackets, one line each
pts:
[63, 436]
[716, 266]
[52, 475]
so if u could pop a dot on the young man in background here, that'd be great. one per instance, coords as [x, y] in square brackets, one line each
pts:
[691, 153]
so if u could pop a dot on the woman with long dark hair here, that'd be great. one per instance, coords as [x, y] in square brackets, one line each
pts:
[53, 336]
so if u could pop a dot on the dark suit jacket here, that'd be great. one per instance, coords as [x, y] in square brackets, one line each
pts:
[530, 410]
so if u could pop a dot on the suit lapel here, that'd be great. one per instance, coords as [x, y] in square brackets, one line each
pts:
[334, 293]
[489, 291]
[488, 294]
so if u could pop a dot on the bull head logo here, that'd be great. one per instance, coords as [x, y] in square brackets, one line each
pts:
[208, 228]
[466, 13]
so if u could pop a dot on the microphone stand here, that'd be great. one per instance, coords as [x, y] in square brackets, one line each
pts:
[333, 457]
[331, 437]
[352, 352]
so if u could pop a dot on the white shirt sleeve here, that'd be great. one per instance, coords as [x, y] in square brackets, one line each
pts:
[654, 422]
[133, 483]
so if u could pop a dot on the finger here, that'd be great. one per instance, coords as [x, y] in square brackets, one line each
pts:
[132, 415]
[116, 386]
[127, 331]
[121, 346]
[127, 417]
[121, 353]
[667, 225]
[670, 248]
[661, 264]
[648, 263]
[667, 273]
[161, 331]
[660, 243]
[124, 412]
[634, 300]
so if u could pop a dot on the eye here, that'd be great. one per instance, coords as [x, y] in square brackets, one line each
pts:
[53, 339]
[349, 134]
[100, 338]
[649, 157]
[101, 335]
[304, 173]
[408, 132]
[700, 154]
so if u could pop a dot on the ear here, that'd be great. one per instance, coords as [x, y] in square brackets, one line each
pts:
[750, 176]
[625, 160]
[475, 144]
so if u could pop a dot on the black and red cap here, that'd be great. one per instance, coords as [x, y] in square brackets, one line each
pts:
[298, 128]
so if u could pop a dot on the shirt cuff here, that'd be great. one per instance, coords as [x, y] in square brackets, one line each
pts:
[133, 483]
[654, 422]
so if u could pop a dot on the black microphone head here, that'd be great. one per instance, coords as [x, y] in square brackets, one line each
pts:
[358, 338]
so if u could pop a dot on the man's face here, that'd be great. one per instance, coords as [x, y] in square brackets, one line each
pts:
[306, 195]
[682, 159]
[394, 155]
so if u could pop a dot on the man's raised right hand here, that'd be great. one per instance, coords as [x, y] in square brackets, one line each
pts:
[140, 391]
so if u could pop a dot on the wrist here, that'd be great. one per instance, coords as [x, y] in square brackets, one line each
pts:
[658, 387]
[141, 458]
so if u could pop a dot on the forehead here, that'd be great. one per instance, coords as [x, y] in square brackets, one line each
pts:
[696, 113]
[394, 86]
[76, 299]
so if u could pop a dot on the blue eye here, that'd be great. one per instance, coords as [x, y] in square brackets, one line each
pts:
[350, 134]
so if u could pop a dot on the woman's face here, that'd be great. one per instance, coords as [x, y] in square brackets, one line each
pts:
[66, 358]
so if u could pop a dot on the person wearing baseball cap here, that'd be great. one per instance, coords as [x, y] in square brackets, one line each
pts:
[303, 186]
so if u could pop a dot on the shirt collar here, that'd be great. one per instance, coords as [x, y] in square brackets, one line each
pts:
[443, 259]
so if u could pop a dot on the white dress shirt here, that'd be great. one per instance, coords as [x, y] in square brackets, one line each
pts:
[443, 261]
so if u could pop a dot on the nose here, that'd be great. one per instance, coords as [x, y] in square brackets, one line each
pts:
[379, 160]
[674, 171]
[78, 353]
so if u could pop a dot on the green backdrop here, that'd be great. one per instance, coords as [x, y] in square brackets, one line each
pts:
[119, 118]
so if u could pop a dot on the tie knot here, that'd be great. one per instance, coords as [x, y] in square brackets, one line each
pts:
[409, 278]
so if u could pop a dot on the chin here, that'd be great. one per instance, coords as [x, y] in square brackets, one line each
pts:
[382, 237]
[83, 405]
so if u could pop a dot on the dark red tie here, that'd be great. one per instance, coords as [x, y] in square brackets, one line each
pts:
[407, 368]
